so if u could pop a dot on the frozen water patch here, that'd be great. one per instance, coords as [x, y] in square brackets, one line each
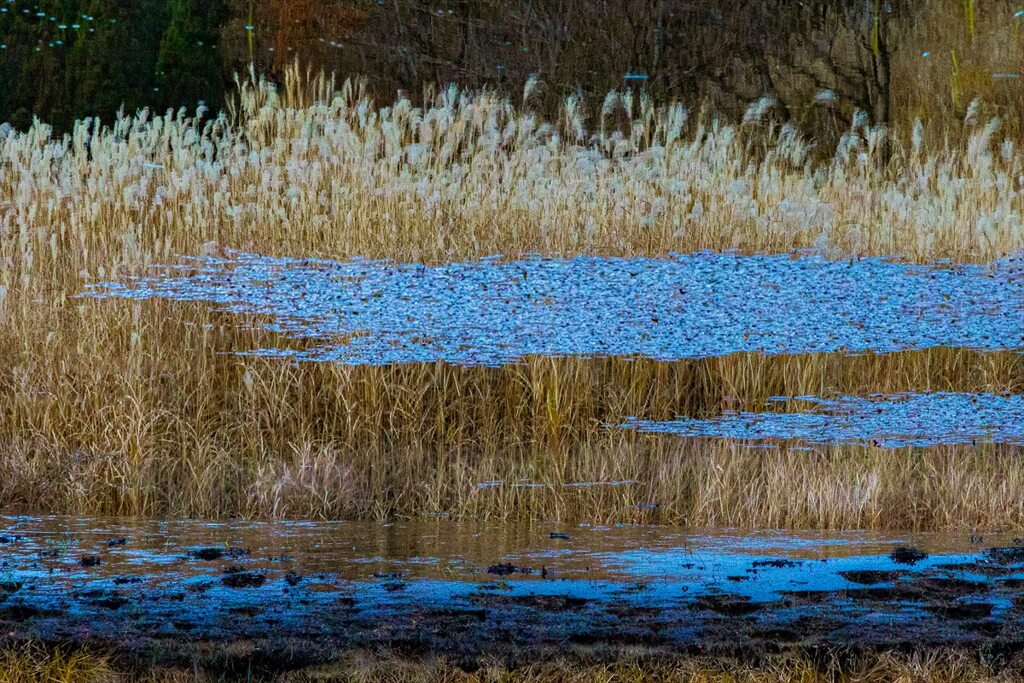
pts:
[892, 421]
[686, 306]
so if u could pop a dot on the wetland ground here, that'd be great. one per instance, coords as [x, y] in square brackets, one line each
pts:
[280, 597]
[697, 332]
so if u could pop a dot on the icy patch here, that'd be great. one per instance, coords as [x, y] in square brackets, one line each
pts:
[887, 421]
[686, 306]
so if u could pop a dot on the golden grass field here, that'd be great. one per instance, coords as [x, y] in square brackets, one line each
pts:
[38, 664]
[135, 408]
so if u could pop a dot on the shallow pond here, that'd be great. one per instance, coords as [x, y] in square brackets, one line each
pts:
[445, 549]
[490, 312]
[469, 586]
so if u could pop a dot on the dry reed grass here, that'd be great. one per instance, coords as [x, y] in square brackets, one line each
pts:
[33, 663]
[934, 667]
[957, 51]
[134, 408]
[37, 664]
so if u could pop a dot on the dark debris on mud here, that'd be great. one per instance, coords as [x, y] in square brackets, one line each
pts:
[237, 577]
[506, 569]
[873, 576]
[211, 554]
[907, 555]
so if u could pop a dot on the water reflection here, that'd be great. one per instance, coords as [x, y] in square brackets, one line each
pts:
[184, 550]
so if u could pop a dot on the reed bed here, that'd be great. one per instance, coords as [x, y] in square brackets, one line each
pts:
[142, 407]
[165, 420]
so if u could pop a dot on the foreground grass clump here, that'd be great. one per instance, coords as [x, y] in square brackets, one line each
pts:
[32, 663]
[35, 664]
[141, 408]
[934, 667]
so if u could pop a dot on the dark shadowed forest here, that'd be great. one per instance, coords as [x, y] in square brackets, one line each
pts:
[898, 60]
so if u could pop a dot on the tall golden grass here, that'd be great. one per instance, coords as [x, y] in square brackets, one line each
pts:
[139, 408]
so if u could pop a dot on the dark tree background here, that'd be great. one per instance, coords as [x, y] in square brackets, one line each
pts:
[66, 59]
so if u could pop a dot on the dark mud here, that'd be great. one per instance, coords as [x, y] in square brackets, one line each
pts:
[295, 594]
[870, 576]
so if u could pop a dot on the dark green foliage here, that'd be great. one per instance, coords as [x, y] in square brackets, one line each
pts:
[188, 65]
[67, 59]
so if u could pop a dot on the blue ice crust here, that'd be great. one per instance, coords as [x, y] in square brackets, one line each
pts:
[893, 421]
[489, 312]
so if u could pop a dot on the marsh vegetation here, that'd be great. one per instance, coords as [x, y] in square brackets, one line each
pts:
[646, 267]
[144, 407]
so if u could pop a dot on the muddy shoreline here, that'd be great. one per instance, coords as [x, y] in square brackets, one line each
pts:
[280, 596]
